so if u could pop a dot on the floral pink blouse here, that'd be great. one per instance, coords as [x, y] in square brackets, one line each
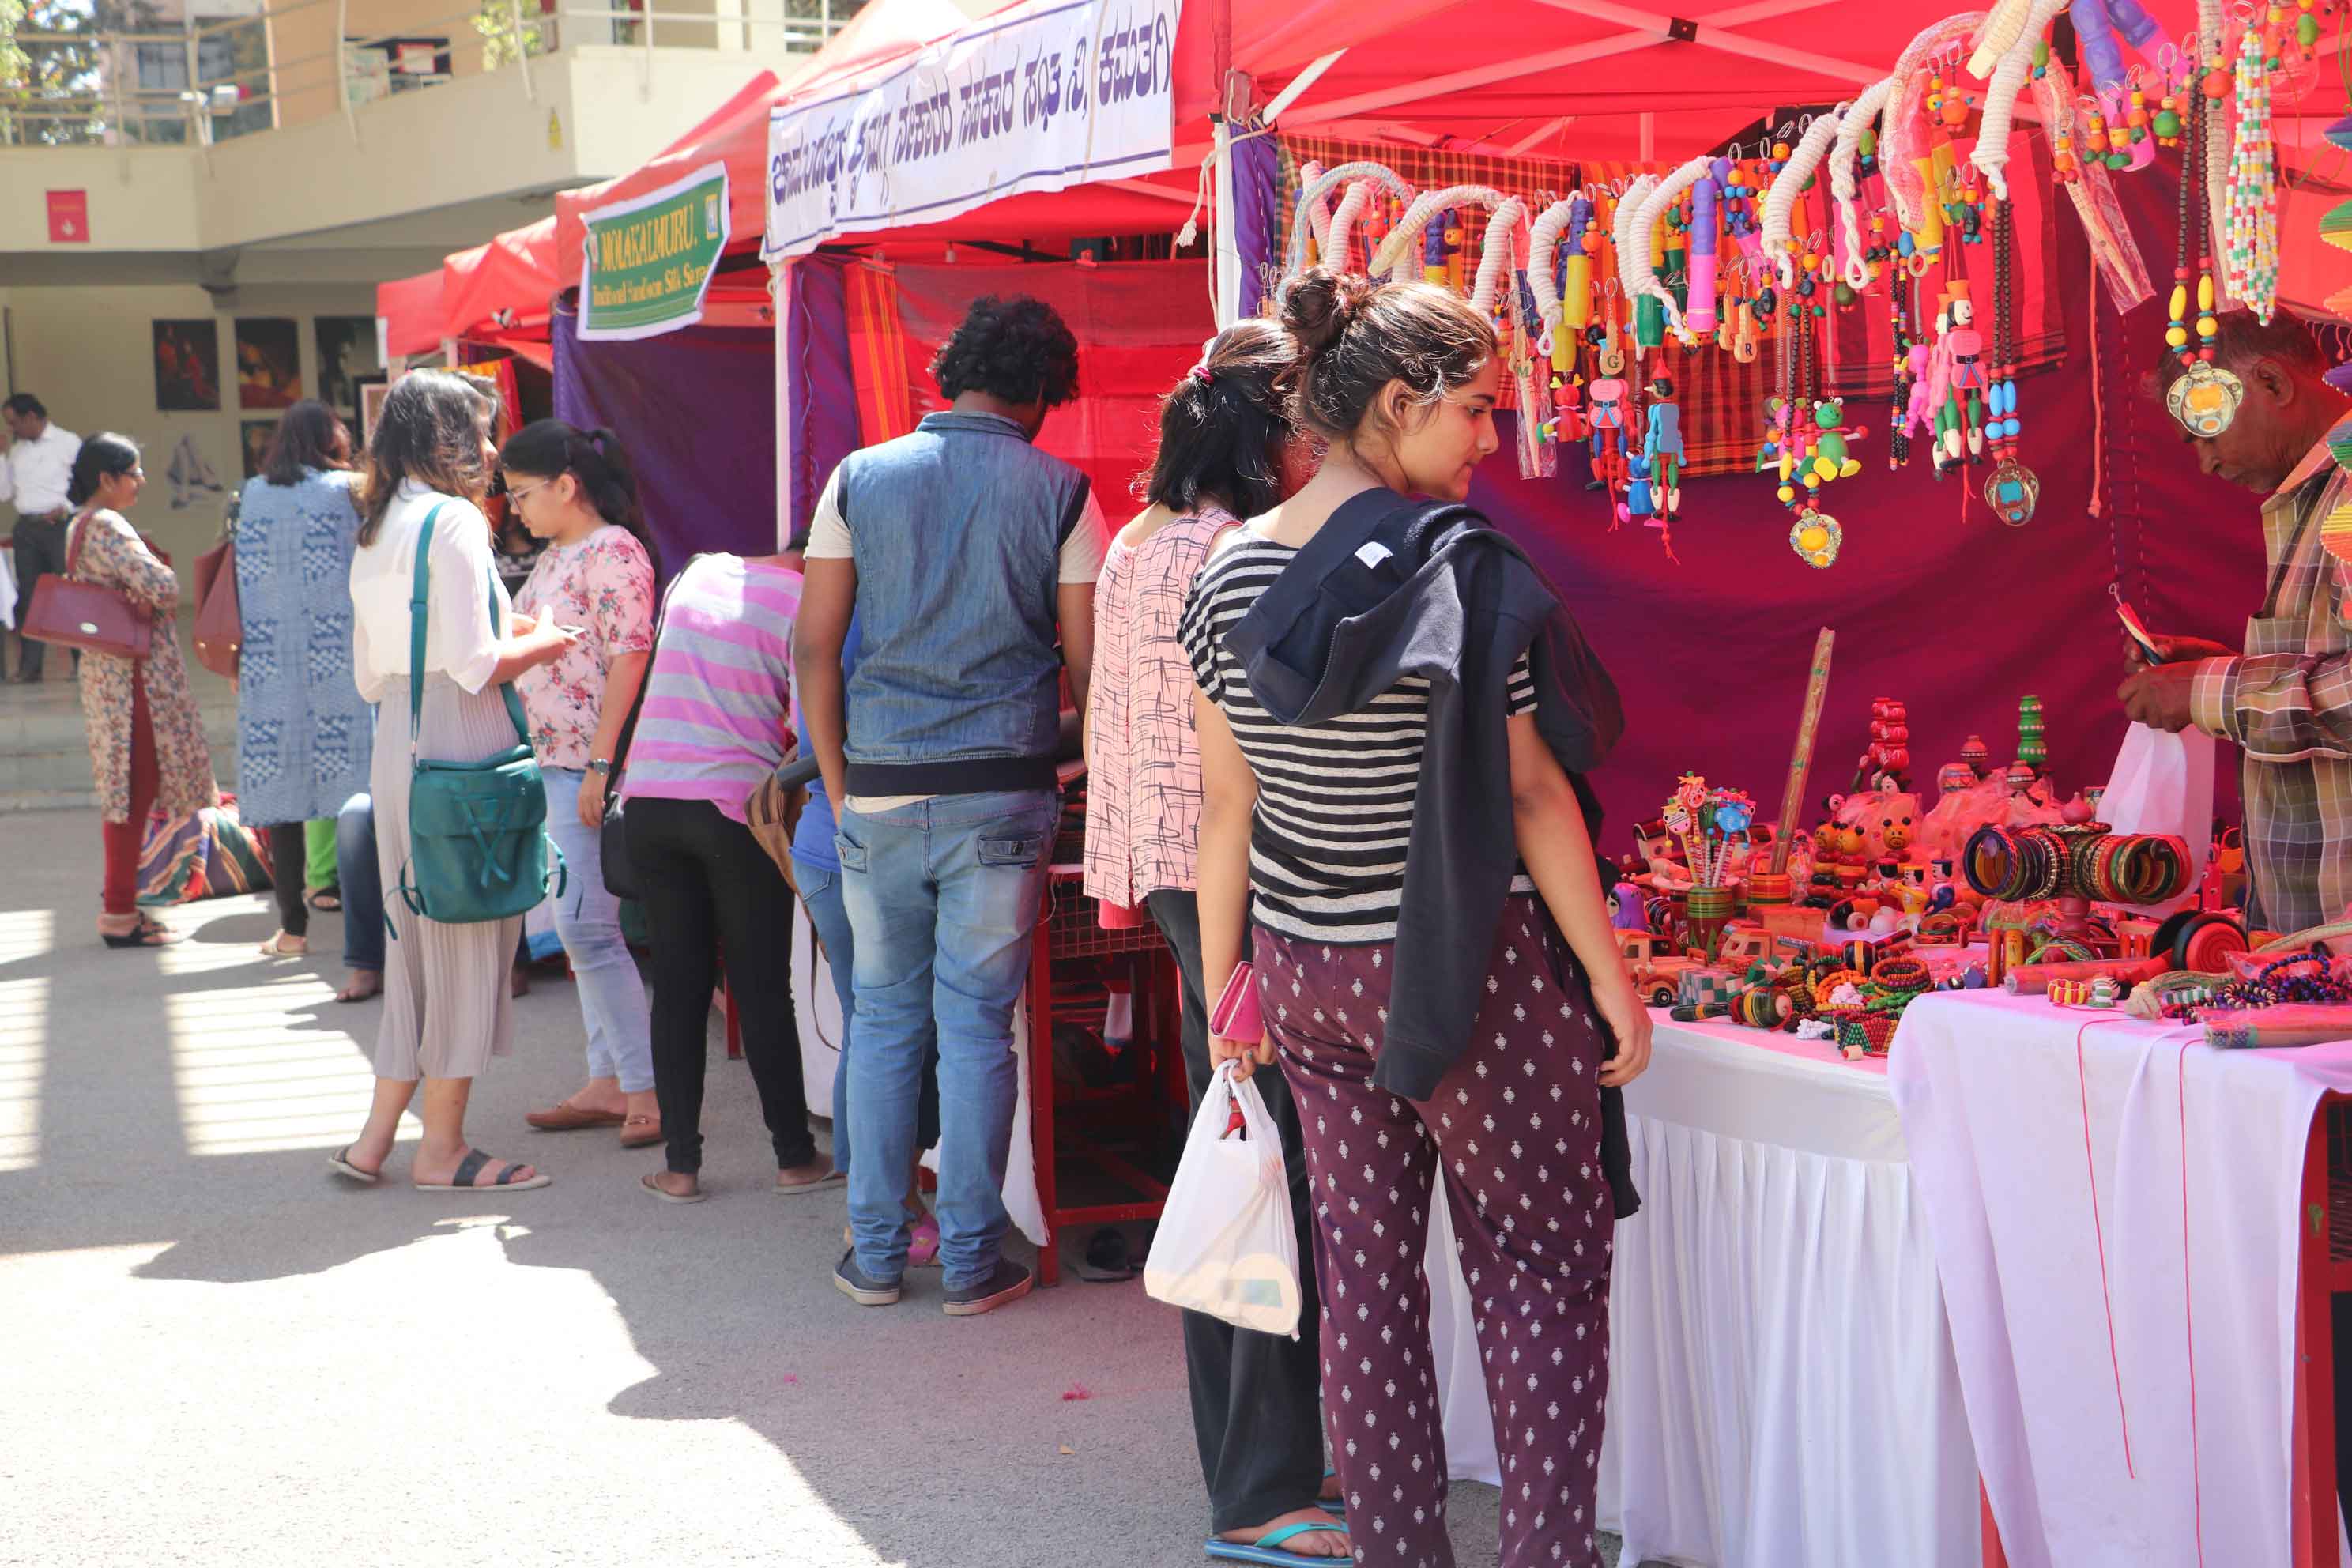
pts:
[605, 583]
[1143, 764]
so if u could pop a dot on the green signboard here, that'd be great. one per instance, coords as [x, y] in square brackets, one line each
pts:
[647, 260]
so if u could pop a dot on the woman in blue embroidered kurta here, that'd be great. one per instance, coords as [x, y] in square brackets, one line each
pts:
[303, 735]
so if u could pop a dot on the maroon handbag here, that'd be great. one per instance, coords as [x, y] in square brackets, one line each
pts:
[219, 629]
[86, 616]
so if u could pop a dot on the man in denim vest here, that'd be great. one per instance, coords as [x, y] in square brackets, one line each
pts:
[961, 549]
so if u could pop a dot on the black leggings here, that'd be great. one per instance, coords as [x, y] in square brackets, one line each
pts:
[707, 885]
[289, 864]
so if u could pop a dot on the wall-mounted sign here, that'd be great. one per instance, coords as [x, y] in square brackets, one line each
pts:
[1054, 99]
[646, 261]
[68, 217]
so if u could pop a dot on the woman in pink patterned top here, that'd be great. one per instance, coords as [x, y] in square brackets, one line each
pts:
[1228, 450]
[575, 490]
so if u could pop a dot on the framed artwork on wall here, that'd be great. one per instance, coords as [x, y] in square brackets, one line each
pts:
[187, 366]
[371, 390]
[253, 435]
[269, 362]
[346, 356]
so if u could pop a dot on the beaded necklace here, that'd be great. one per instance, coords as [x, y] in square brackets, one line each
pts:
[2205, 399]
[2252, 254]
[1898, 438]
[2012, 490]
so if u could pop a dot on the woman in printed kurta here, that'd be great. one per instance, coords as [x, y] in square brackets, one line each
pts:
[304, 738]
[146, 739]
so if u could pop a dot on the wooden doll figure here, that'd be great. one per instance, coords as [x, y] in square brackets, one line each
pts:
[1606, 399]
[1664, 446]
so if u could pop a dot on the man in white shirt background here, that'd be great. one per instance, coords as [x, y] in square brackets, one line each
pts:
[36, 461]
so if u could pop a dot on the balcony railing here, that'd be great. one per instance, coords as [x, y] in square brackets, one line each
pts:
[211, 81]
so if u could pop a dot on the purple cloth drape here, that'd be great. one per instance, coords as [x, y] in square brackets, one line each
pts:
[696, 410]
[825, 392]
[1257, 222]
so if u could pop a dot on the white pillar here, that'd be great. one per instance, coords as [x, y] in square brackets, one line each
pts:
[779, 293]
[1228, 256]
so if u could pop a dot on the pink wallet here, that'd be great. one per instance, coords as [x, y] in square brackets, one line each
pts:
[1235, 1016]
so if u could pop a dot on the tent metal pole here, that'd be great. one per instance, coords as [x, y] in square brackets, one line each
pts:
[1543, 133]
[1299, 84]
[1228, 254]
[1365, 103]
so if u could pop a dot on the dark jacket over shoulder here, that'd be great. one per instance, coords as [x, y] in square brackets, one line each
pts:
[1388, 589]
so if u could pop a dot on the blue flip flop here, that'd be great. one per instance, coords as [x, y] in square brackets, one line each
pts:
[1335, 1505]
[1267, 1548]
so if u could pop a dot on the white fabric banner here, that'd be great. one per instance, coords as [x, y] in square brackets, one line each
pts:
[2114, 1205]
[1781, 1385]
[1046, 96]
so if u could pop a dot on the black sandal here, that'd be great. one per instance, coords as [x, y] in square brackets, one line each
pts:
[146, 934]
[474, 1163]
[327, 899]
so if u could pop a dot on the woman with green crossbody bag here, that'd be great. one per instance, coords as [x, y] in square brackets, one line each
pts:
[459, 809]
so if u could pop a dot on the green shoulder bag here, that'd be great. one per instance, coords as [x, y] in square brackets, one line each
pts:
[477, 844]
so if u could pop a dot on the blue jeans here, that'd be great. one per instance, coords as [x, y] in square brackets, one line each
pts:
[362, 884]
[588, 919]
[821, 896]
[944, 899]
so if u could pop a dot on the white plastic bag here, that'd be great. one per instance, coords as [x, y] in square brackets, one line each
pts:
[1225, 1246]
[2164, 784]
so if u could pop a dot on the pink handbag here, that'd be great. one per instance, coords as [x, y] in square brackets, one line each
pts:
[1236, 1016]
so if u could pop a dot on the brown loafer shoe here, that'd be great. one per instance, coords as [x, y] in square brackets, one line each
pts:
[566, 1117]
[640, 1131]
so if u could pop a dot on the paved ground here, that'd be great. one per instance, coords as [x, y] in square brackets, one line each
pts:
[217, 1353]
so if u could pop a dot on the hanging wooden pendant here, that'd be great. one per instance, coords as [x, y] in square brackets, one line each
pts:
[2205, 399]
[2012, 491]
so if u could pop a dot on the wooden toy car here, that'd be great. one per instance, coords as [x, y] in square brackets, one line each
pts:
[1656, 971]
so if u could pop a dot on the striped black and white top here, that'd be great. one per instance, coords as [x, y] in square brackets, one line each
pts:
[1335, 800]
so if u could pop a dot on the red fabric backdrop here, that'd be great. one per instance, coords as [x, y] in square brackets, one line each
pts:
[1957, 616]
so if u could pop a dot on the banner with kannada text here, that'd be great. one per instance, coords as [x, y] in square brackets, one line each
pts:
[646, 262]
[1041, 101]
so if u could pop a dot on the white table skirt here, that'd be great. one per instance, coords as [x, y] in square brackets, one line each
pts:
[1782, 1392]
[2087, 1174]
[818, 1009]
[7, 588]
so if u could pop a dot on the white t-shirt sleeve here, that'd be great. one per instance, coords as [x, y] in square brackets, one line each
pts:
[828, 531]
[1082, 553]
[463, 639]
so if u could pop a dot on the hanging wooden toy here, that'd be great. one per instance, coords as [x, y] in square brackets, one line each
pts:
[1780, 203]
[1637, 248]
[2007, 78]
[1605, 415]
[1705, 225]
[2012, 490]
[2204, 400]
[1662, 447]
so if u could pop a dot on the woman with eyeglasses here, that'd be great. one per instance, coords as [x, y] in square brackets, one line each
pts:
[146, 739]
[574, 490]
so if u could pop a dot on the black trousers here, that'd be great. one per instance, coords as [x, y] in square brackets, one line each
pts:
[39, 547]
[707, 885]
[1257, 1402]
[290, 863]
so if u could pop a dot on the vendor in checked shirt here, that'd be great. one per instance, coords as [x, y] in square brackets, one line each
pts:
[2286, 701]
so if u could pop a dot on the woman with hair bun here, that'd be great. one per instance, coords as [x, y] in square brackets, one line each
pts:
[146, 739]
[1394, 712]
[576, 490]
[1228, 450]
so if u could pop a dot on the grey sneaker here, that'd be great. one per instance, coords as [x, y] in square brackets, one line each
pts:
[1010, 1282]
[852, 1282]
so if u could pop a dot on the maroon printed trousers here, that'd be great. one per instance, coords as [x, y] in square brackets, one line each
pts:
[1514, 1131]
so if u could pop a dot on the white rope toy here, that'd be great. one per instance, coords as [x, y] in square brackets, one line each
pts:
[1317, 212]
[1845, 185]
[1543, 245]
[1620, 229]
[1378, 175]
[2003, 26]
[1990, 154]
[1635, 271]
[1499, 255]
[1338, 246]
[1781, 199]
[1427, 206]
